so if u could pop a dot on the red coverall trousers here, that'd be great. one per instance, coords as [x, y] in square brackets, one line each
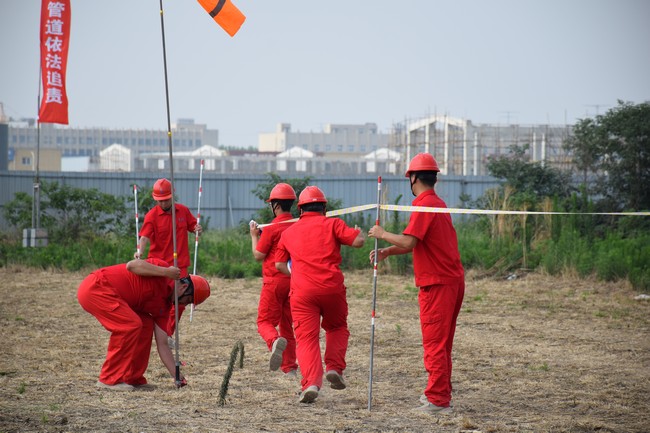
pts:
[439, 308]
[274, 311]
[306, 310]
[129, 346]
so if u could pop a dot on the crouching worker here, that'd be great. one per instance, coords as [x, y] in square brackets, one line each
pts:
[134, 301]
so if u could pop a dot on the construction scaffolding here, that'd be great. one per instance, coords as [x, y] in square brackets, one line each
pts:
[462, 148]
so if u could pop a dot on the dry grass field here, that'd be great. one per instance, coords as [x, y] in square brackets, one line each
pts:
[534, 354]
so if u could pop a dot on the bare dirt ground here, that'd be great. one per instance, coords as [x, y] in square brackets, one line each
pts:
[535, 354]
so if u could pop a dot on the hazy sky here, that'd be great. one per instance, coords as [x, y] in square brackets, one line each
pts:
[310, 63]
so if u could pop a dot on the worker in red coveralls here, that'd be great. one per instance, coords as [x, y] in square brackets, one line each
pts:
[157, 229]
[318, 290]
[274, 310]
[439, 275]
[133, 301]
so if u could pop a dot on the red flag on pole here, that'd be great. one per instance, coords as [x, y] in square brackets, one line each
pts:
[225, 14]
[55, 38]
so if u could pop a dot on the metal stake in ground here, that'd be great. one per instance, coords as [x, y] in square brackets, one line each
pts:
[196, 233]
[177, 377]
[374, 300]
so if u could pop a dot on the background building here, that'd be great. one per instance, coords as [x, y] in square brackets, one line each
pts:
[334, 140]
[90, 142]
[460, 147]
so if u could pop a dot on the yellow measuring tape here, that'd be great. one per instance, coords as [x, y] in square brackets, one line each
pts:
[400, 208]
[498, 212]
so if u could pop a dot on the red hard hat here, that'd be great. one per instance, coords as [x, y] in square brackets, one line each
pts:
[311, 194]
[422, 162]
[162, 190]
[282, 191]
[201, 289]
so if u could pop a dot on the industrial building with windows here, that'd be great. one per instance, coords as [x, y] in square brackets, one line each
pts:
[460, 147]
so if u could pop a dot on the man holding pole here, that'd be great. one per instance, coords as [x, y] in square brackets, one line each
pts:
[134, 301]
[439, 275]
[157, 228]
[274, 310]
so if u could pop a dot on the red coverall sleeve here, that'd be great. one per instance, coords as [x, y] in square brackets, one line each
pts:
[191, 221]
[168, 322]
[346, 235]
[281, 253]
[147, 225]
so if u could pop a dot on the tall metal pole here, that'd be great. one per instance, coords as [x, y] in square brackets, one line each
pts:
[36, 203]
[137, 228]
[171, 169]
[196, 233]
[374, 300]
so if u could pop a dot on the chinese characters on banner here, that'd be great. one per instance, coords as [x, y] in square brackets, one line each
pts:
[55, 37]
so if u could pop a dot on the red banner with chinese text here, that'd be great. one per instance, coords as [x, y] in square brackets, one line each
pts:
[55, 38]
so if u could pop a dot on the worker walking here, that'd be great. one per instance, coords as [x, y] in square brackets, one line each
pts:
[318, 293]
[439, 275]
[157, 228]
[274, 311]
[134, 301]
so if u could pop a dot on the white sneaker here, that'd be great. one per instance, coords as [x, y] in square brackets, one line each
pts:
[425, 400]
[335, 379]
[432, 409]
[117, 387]
[276, 353]
[309, 395]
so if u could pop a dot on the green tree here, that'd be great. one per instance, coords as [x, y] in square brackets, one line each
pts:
[530, 179]
[18, 212]
[263, 190]
[584, 144]
[615, 147]
[70, 214]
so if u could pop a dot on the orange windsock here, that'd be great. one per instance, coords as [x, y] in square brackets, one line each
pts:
[225, 14]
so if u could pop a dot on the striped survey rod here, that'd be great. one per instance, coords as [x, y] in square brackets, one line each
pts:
[196, 233]
[374, 300]
[137, 228]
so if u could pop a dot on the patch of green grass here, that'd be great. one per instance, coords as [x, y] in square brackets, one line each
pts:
[410, 292]
[543, 367]
[359, 294]
[613, 313]
[479, 297]
[22, 387]
[411, 289]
